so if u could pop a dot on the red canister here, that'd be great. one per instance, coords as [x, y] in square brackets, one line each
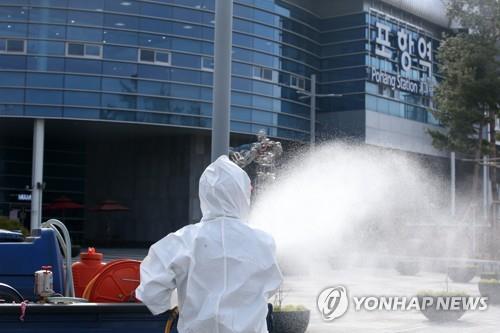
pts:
[84, 270]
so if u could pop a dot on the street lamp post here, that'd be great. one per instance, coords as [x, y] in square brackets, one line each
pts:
[312, 113]
[222, 77]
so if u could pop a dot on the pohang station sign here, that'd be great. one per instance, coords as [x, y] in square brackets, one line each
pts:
[408, 52]
[400, 82]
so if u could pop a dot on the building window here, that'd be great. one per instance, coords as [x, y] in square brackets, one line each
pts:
[154, 57]
[84, 50]
[207, 64]
[297, 82]
[263, 73]
[12, 46]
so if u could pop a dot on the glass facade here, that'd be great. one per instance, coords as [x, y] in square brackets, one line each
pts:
[152, 62]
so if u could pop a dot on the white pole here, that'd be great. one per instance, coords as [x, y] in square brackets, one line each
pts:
[485, 187]
[453, 185]
[474, 245]
[313, 110]
[222, 78]
[37, 176]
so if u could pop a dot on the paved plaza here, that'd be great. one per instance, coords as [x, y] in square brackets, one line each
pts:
[371, 282]
[364, 282]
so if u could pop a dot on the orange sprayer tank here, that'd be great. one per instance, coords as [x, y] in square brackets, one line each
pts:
[86, 269]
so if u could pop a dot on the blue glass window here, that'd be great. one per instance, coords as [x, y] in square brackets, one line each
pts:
[83, 66]
[207, 63]
[13, 13]
[44, 80]
[11, 79]
[81, 98]
[120, 37]
[82, 82]
[154, 72]
[13, 29]
[123, 6]
[241, 84]
[45, 63]
[121, 21]
[85, 18]
[181, 44]
[152, 103]
[43, 111]
[119, 85]
[154, 88]
[185, 91]
[186, 29]
[241, 127]
[45, 47]
[188, 15]
[11, 95]
[97, 5]
[70, 112]
[47, 15]
[119, 68]
[154, 41]
[85, 34]
[119, 101]
[40, 96]
[12, 62]
[120, 53]
[47, 31]
[242, 69]
[185, 75]
[11, 110]
[241, 113]
[154, 56]
[186, 60]
[151, 9]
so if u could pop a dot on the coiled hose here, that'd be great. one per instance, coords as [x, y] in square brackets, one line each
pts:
[65, 242]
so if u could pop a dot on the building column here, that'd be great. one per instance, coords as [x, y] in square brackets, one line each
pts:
[37, 176]
[222, 78]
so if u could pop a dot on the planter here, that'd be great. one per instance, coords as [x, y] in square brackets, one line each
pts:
[462, 274]
[291, 321]
[490, 289]
[439, 315]
[408, 267]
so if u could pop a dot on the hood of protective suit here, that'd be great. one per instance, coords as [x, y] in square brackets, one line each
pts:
[224, 191]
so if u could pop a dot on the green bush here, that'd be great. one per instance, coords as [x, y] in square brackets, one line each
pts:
[12, 225]
[436, 293]
[489, 281]
[289, 308]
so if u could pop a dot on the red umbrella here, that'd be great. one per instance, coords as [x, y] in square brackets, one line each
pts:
[109, 206]
[63, 203]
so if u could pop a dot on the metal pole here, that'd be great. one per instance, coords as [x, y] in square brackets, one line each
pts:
[37, 176]
[485, 187]
[313, 110]
[474, 245]
[222, 78]
[453, 185]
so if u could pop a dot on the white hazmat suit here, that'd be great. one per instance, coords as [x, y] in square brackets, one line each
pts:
[224, 270]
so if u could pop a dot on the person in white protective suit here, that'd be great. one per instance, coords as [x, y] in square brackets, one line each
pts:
[224, 270]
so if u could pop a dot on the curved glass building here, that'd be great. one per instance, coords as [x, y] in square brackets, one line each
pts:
[125, 88]
[152, 62]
